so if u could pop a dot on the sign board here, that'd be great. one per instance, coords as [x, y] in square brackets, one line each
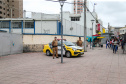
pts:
[98, 27]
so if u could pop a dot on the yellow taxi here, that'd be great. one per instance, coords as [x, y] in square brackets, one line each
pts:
[69, 49]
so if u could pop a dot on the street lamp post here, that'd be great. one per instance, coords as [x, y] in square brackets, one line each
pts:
[92, 32]
[61, 4]
[90, 39]
[85, 29]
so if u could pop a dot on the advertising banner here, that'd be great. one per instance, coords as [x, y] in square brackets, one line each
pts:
[98, 27]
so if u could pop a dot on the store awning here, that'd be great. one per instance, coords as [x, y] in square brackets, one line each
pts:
[96, 35]
[100, 37]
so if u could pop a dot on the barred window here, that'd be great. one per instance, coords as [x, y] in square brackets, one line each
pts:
[29, 24]
[0, 2]
[0, 7]
[0, 12]
[16, 24]
[75, 18]
[4, 24]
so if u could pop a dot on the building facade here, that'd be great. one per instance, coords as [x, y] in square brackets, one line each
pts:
[78, 6]
[77, 21]
[122, 30]
[40, 23]
[11, 8]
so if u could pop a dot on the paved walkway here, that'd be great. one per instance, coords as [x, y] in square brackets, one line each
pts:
[98, 66]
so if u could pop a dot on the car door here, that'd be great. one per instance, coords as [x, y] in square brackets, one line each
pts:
[59, 48]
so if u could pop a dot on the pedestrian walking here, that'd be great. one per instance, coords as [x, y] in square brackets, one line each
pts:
[115, 46]
[107, 43]
[55, 48]
[110, 43]
[90, 43]
[79, 42]
[122, 43]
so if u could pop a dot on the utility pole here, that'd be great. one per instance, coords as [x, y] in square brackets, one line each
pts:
[11, 13]
[92, 33]
[24, 21]
[61, 4]
[109, 28]
[41, 23]
[11, 19]
[85, 29]
[61, 34]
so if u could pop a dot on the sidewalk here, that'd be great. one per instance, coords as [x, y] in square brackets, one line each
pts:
[98, 66]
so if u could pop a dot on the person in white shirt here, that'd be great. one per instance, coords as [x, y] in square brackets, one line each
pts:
[107, 43]
[115, 46]
[112, 43]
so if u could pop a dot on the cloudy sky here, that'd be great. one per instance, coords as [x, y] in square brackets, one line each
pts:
[109, 11]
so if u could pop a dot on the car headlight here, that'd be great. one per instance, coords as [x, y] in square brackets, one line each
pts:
[74, 49]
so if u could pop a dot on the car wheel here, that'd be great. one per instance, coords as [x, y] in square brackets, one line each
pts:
[48, 53]
[68, 54]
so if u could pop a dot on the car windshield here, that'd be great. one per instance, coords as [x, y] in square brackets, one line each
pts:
[67, 43]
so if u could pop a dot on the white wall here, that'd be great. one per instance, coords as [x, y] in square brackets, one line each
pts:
[45, 16]
[45, 39]
[122, 31]
[47, 27]
[10, 44]
[77, 29]
[67, 17]
[18, 31]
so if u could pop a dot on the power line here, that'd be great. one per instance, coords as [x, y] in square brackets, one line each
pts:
[83, 5]
[94, 17]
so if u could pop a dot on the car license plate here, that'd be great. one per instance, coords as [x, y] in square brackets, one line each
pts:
[82, 52]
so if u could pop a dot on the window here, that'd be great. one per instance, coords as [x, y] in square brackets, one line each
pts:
[16, 24]
[7, 9]
[4, 24]
[0, 7]
[13, 14]
[29, 24]
[59, 43]
[12, 0]
[4, 13]
[4, 8]
[68, 43]
[7, 0]
[75, 18]
[8, 14]
[0, 12]
[0, 2]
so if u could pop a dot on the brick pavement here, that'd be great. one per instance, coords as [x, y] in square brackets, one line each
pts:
[98, 66]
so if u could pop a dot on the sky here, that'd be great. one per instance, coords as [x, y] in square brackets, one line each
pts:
[109, 11]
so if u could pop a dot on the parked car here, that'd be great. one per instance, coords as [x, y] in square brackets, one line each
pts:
[69, 49]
